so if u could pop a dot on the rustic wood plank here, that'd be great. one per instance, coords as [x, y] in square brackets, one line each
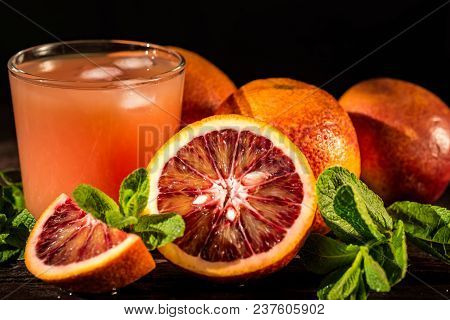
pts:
[428, 278]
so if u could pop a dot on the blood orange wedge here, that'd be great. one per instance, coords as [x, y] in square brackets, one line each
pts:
[245, 191]
[71, 248]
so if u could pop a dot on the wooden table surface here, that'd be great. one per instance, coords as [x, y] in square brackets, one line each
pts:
[427, 278]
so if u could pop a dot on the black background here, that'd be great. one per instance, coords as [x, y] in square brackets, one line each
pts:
[312, 41]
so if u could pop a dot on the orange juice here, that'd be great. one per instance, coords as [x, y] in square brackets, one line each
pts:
[92, 117]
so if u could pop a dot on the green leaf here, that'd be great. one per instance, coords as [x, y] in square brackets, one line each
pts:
[397, 244]
[117, 220]
[385, 257]
[327, 187]
[426, 226]
[393, 255]
[17, 240]
[421, 220]
[346, 284]
[361, 291]
[323, 254]
[329, 281]
[7, 253]
[376, 277]
[159, 229]
[3, 237]
[442, 235]
[24, 219]
[11, 195]
[15, 221]
[134, 192]
[11, 199]
[94, 201]
[349, 205]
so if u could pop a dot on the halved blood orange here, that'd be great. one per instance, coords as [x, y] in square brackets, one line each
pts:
[245, 191]
[72, 249]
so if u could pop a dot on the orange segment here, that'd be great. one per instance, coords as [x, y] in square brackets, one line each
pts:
[71, 248]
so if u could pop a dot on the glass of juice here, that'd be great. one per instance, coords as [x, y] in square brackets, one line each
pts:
[91, 112]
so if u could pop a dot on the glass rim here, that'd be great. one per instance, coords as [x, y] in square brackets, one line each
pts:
[26, 76]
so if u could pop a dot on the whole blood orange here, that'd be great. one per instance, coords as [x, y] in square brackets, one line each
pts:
[404, 136]
[72, 249]
[309, 116]
[205, 87]
[245, 191]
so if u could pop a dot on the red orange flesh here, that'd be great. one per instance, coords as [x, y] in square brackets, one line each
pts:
[71, 248]
[246, 194]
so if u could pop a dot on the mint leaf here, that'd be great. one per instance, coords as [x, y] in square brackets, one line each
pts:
[322, 254]
[397, 244]
[375, 275]
[94, 201]
[346, 283]
[15, 221]
[393, 255]
[361, 291]
[134, 191]
[349, 205]
[159, 229]
[117, 220]
[3, 237]
[17, 240]
[442, 235]
[7, 253]
[327, 187]
[427, 226]
[328, 282]
[11, 199]
[385, 257]
[422, 221]
[24, 219]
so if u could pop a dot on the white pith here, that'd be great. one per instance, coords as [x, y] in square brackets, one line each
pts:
[238, 194]
[221, 190]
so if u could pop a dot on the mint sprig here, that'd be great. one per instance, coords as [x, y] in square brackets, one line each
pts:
[155, 230]
[16, 222]
[370, 252]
